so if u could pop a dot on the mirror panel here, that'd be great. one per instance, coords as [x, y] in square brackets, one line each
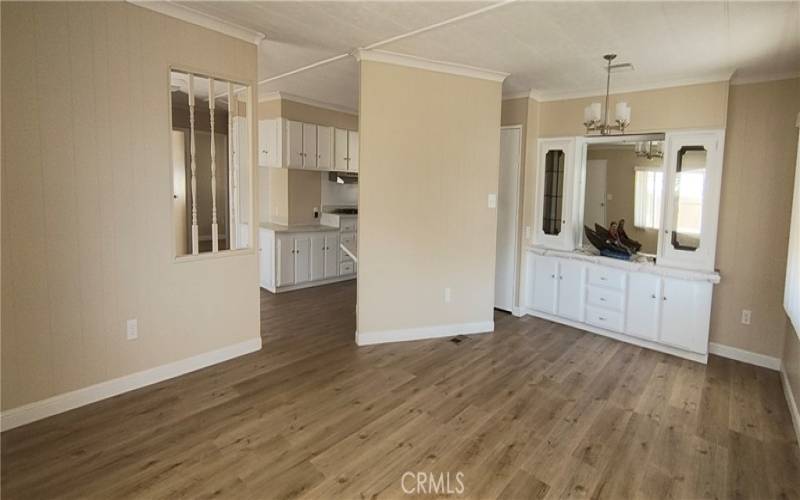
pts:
[553, 192]
[690, 176]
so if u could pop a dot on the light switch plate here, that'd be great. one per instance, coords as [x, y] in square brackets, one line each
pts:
[132, 329]
[747, 316]
[447, 296]
[492, 200]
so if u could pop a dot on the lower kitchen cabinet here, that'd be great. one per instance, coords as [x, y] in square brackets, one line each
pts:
[643, 305]
[685, 314]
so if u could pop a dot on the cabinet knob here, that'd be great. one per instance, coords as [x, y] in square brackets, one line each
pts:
[653, 295]
[553, 276]
[561, 277]
[664, 298]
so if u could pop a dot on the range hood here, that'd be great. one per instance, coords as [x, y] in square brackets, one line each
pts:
[343, 177]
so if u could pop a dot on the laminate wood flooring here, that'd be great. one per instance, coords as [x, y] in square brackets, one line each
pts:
[534, 410]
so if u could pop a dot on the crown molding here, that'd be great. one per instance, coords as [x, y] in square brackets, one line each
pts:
[278, 95]
[190, 15]
[385, 56]
[745, 80]
[544, 96]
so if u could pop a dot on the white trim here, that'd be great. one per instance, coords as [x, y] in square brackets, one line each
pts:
[278, 95]
[517, 312]
[193, 16]
[517, 95]
[745, 80]
[751, 358]
[384, 56]
[793, 410]
[692, 356]
[422, 333]
[38, 410]
[547, 96]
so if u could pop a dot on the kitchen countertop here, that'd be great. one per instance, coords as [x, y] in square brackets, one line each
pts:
[307, 228]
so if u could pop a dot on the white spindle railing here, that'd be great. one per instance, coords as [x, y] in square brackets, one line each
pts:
[195, 245]
[232, 181]
[214, 227]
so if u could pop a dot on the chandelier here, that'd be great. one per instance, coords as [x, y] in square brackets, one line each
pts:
[649, 149]
[592, 113]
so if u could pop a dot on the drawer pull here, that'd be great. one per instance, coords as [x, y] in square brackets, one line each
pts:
[653, 295]
[601, 318]
[602, 299]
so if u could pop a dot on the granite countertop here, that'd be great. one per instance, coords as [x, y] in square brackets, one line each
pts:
[307, 228]
[635, 266]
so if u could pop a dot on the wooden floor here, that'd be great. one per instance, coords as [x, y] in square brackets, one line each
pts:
[534, 410]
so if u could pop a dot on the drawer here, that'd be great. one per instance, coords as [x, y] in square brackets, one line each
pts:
[603, 318]
[346, 267]
[603, 276]
[605, 297]
[348, 238]
[348, 225]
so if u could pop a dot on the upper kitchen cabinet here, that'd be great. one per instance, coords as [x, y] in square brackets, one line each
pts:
[692, 195]
[324, 147]
[292, 144]
[352, 150]
[346, 146]
[552, 217]
[269, 143]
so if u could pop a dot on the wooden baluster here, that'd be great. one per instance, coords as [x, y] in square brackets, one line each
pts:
[232, 180]
[195, 249]
[214, 227]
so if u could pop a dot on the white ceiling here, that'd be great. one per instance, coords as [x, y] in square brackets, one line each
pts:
[554, 48]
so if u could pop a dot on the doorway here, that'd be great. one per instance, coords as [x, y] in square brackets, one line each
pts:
[507, 217]
[596, 193]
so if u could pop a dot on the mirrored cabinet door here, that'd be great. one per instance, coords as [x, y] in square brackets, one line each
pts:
[694, 174]
[554, 193]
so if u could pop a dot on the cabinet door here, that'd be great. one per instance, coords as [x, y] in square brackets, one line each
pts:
[285, 259]
[685, 314]
[331, 255]
[352, 150]
[570, 289]
[544, 289]
[340, 150]
[309, 145]
[643, 305]
[694, 176]
[317, 256]
[324, 148]
[266, 244]
[553, 226]
[263, 139]
[293, 147]
[302, 258]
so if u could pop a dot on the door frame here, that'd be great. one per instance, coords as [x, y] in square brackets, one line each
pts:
[515, 292]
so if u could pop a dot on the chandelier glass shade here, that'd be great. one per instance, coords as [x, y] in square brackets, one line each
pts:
[595, 115]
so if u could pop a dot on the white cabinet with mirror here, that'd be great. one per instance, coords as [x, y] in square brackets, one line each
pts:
[643, 203]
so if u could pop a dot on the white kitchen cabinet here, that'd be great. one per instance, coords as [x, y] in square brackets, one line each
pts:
[284, 256]
[302, 259]
[643, 305]
[340, 150]
[317, 256]
[544, 286]
[331, 255]
[352, 150]
[266, 246]
[685, 314]
[309, 145]
[570, 289]
[293, 144]
[269, 152]
[324, 147]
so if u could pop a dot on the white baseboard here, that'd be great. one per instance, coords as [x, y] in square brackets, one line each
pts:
[38, 410]
[517, 312]
[751, 358]
[425, 332]
[793, 410]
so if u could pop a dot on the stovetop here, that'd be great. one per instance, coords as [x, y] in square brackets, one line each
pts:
[345, 211]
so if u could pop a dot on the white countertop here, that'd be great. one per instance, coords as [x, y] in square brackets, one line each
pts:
[306, 228]
[636, 266]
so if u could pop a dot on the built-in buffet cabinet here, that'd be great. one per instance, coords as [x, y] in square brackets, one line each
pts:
[660, 301]
[291, 144]
[659, 308]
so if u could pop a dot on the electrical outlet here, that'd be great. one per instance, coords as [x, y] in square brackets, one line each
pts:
[316, 212]
[447, 296]
[492, 200]
[132, 329]
[746, 316]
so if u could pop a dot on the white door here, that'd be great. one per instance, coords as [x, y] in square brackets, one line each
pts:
[507, 208]
[331, 255]
[570, 289]
[302, 259]
[285, 258]
[317, 256]
[324, 147]
[685, 314]
[293, 149]
[340, 150]
[309, 145]
[545, 279]
[352, 150]
[594, 211]
[642, 310]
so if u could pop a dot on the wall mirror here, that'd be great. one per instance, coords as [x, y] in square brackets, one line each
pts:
[623, 195]
[211, 163]
[552, 208]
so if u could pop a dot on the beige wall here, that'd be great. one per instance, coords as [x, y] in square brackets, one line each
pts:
[295, 193]
[87, 236]
[757, 184]
[430, 147]
[620, 184]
